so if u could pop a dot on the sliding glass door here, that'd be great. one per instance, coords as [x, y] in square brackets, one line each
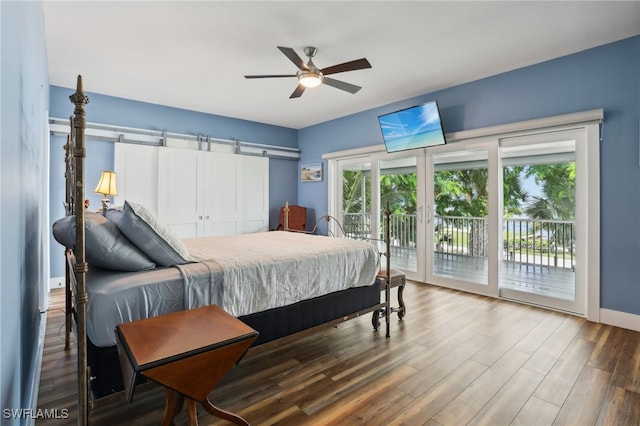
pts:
[513, 215]
[540, 238]
[355, 198]
[367, 186]
[502, 219]
[459, 212]
[398, 188]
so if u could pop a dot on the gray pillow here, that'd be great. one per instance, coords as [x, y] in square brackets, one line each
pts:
[105, 246]
[155, 239]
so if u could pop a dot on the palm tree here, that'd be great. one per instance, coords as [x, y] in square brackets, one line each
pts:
[558, 183]
[464, 193]
[355, 201]
[558, 186]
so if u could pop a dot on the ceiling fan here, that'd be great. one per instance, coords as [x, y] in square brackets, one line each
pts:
[311, 76]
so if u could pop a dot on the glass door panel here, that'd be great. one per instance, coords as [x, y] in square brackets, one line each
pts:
[398, 183]
[538, 221]
[355, 198]
[459, 222]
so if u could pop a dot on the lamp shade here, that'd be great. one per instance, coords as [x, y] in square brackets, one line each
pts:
[107, 184]
[310, 78]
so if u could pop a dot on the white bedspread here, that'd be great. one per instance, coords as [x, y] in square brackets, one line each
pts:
[272, 269]
[244, 274]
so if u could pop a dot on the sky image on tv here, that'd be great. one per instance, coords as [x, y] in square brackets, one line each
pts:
[411, 128]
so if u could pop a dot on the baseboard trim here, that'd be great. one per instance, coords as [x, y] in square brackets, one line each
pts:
[56, 282]
[34, 381]
[620, 319]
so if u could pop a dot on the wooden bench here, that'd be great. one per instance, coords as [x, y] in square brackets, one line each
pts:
[188, 352]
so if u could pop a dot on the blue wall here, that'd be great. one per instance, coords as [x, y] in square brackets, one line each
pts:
[24, 226]
[605, 77]
[128, 113]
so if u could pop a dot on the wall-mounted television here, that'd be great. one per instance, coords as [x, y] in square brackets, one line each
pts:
[411, 128]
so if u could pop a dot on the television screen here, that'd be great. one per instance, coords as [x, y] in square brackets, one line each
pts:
[411, 128]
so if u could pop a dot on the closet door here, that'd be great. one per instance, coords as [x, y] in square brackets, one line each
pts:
[181, 190]
[203, 193]
[136, 168]
[220, 194]
[236, 194]
[253, 194]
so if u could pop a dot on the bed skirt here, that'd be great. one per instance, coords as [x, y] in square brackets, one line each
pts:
[271, 325]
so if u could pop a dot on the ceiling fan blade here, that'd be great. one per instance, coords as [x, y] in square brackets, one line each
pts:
[293, 57]
[347, 87]
[357, 64]
[298, 92]
[270, 76]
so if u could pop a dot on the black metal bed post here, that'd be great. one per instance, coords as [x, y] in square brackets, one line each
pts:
[68, 198]
[79, 153]
[387, 290]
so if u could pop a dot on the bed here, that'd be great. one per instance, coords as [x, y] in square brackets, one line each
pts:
[279, 283]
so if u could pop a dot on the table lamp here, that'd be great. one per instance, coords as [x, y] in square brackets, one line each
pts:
[106, 187]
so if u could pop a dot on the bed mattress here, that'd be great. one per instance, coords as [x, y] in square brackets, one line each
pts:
[244, 274]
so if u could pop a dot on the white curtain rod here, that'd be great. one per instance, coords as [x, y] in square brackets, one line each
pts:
[60, 126]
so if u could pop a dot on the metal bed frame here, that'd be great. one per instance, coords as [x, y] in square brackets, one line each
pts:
[76, 296]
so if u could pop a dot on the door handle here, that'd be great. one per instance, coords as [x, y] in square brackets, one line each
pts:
[420, 213]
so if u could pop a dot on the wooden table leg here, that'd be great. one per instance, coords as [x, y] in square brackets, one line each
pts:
[193, 414]
[218, 412]
[173, 404]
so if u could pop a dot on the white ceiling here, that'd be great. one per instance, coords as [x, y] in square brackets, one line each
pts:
[193, 55]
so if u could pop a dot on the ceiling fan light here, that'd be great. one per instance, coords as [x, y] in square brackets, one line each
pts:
[310, 79]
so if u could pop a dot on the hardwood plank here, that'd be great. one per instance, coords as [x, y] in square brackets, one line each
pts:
[620, 407]
[607, 349]
[357, 380]
[470, 401]
[369, 404]
[533, 340]
[504, 341]
[627, 372]
[430, 402]
[546, 356]
[509, 400]
[536, 412]
[583, 403]
[562, 377]
[444, 365]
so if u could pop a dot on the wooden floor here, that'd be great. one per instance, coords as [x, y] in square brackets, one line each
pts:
[455, 359]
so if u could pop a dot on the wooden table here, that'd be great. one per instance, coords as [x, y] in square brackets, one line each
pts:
[188, 352]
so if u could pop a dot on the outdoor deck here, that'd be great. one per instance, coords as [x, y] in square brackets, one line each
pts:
[538, 279]
[538, 254]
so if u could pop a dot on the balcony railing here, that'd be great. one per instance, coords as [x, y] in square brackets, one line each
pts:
[549, 243]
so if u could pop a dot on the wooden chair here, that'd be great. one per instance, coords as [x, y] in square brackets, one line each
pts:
[297, 218]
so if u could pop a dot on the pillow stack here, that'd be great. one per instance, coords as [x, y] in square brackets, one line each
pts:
[131, 239]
